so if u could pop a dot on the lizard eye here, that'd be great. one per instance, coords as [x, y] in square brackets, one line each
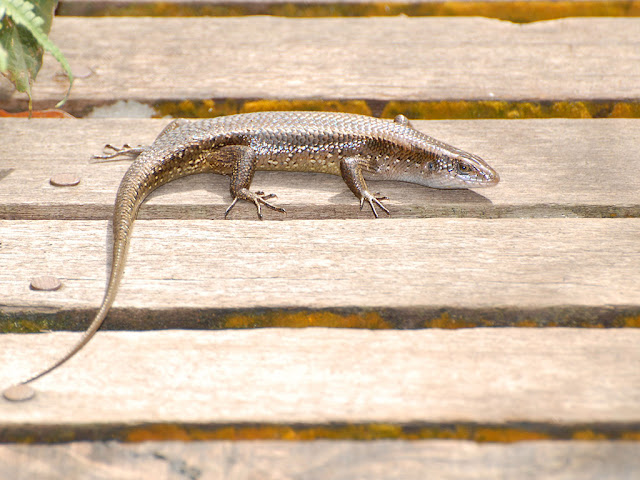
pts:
[463, 168]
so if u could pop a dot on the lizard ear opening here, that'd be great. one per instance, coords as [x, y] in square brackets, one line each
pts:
[402, 120]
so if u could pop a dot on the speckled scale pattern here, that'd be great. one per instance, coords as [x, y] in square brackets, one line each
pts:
[309, 142]
[299, 141]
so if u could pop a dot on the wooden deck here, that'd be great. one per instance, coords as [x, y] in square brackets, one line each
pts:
[202, 369]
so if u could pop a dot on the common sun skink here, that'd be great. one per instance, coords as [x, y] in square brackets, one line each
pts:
[356, 147]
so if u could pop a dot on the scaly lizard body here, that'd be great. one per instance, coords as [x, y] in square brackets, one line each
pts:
[356, 147]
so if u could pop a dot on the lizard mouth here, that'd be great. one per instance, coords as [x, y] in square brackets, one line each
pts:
[490, 179]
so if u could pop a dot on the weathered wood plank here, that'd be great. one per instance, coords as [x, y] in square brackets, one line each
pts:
[396, 58]
[401, 273]
[322, 460]
[556, 382]
[549, 168]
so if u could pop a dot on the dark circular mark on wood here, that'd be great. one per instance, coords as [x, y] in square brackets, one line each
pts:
[19, 393]
[45, 283]
[64, 180]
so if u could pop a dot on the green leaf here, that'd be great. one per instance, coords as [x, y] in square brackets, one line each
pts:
[4, 56]
[4, 60]
[23, 35]
[24, 56]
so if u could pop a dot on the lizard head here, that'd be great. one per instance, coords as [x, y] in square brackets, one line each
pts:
[452, 168]
[460, 169]
[432, 163]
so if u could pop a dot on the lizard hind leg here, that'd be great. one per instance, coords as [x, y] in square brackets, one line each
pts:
[110, 152]
[239, 162]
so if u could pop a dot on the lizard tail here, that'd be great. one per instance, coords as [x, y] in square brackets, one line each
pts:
[109, 297]
[128, 201]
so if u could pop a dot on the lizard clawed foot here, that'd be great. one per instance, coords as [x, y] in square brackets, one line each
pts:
[266, 197]
[111, 152]
[373, 200]
[258, 198]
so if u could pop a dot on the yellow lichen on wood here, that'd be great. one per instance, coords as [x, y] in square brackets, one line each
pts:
[508, 435]
[157, 433]
[348, 106]
[425, 110]
[209, 108]
[570, 110]
[457, 432]
[525, 12]
[370, 320]
[631, 321]
[24, 325]
[528, 323]
[206, 108]
[445, 321]
[518, 11]
[625, 110]
[302, 433]
[494, 109]
[360, 432]
[167, 432]
[588, 435]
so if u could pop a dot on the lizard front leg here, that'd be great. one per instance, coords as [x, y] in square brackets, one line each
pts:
[351, 170]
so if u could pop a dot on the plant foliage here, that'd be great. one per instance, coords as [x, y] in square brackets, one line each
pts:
[23, 38]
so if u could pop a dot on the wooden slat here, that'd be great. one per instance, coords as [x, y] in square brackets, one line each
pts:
[548, 168]
[538, 383]
[341, 58]
[402, 272]
[383, 460]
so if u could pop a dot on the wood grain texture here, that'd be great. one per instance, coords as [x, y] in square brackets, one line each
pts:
[322, 460]
[548, 168]
[380, 58]
[556, 377]
[417, 264]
